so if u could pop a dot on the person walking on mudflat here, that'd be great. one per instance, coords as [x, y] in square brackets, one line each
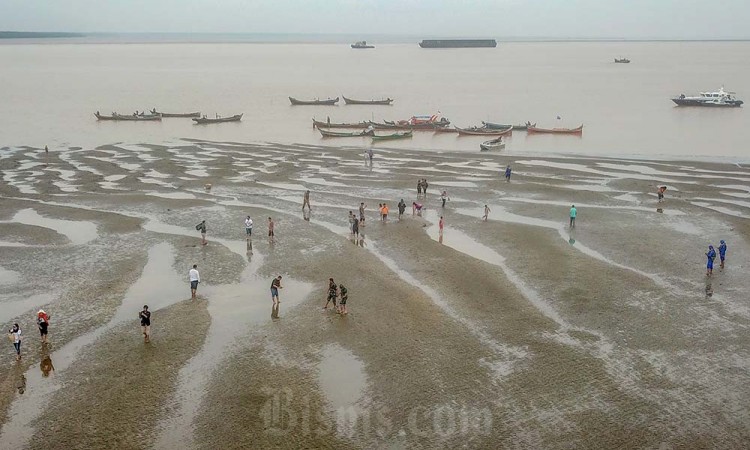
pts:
[249, 227]
[573, 214]
[419, 187]
[444, 197]
[332, 293]
[508, 173]
[194, 278]
[306, 201]
[362, 208]
[711, 256]
[202, 228]
[486, 212]
[15, 336]
[275, 286]
[722, 253]
[145, 316]
[42, 320]
[401, 208]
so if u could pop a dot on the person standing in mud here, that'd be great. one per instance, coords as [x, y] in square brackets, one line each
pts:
[384, 213]
[332, 293]
[275, 286]
[362, 208]
[194, 278]
[306, 201]
[441, 225]
[145, 316]
[486, 213]
[42, 321]
[369, 155]
[419, 187]
[202, 228]
[573, 214]
[660, 193]
[249, 227]
[424, 186]
[355, 228]
[352, 219]
[15, 336]
[270, 229]
[711, 256]
[344, 296]
[401, 208]
[722, 253]
[508, 173]
[444, 197]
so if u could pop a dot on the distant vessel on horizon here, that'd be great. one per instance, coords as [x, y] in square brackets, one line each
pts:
[457, 43]
[718, 99]
[361, 44]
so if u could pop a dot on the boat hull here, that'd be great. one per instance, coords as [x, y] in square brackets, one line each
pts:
[336, 134]
[390, 137]
[117, 117]
[185, 115]
[577, 130]
[458, 43]
[207, 120]
[385, 102]
[360, 125]
[695, 102]
[494, 144]
[329, 102]
[483, 132]
[362, 46]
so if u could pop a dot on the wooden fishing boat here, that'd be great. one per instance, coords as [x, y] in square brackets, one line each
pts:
[404, 135]
[206, 120]
[431, 126]
[444, 130]
[478, 131]
[326, 124]
[578, 130]
[187, 115]
[622, 60]
[132, 118]
[362, 44]
[500, 126]
[350, 101]
[327, 133]
[329, 102]
[494, 144]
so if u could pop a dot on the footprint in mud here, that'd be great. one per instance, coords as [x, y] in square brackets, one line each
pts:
[21, 384]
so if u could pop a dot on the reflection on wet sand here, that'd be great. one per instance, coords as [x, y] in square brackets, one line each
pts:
[274, 310]
[46, 366]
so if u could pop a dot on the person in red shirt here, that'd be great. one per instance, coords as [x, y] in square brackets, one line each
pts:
[42, 320]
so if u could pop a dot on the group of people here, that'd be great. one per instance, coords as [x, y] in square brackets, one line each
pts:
[422, 186]
[335, 292]
[15, 334]
[711, 256]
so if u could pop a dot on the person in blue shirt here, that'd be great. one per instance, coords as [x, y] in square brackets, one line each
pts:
[711, 255]
[508, 172]
[573, 214]
[722, 252]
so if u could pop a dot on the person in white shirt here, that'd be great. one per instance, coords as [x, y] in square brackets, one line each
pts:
[248, 227]
[195, 278]
[15, 333]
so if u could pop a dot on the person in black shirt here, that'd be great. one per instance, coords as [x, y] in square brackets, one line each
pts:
[145, 317]
[275, 286]
[332, 293]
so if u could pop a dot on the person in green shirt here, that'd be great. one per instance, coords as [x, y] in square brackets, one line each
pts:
[344, 296]
[573, 214]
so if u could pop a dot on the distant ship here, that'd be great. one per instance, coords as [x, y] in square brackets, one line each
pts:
[718, 99]
[457, 43]
[362, 44]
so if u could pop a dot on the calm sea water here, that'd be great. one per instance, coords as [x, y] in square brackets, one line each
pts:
[50, 91]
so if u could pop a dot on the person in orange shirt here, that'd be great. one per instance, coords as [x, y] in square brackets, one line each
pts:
[384, 212]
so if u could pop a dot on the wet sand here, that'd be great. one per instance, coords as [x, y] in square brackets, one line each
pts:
[516, 332]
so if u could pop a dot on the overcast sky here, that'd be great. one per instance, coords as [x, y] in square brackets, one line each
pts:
[633, 19]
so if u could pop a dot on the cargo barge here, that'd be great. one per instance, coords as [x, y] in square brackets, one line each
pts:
[457, 43]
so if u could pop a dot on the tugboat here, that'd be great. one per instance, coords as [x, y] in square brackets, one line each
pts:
[719, 99]
[362, 44]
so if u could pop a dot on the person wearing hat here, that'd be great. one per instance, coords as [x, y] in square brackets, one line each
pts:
[42, 320]
[722, 252]
[711, 255]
